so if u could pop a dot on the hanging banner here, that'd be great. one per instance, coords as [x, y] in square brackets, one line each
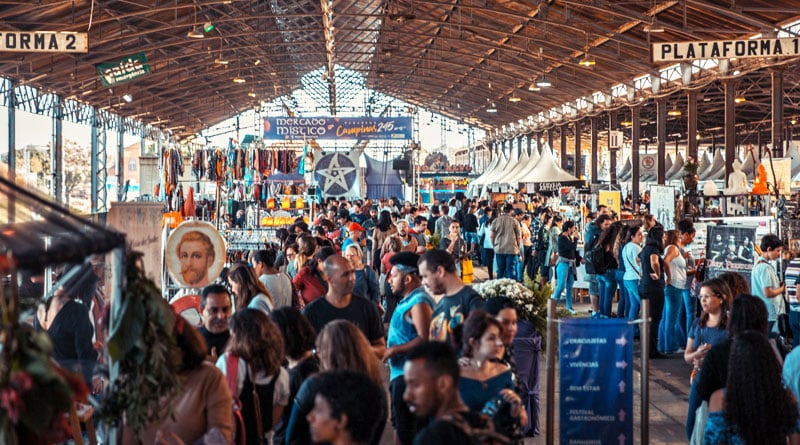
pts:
[783, 174]
[725, 49]
[44, 41]
[648, 164]
[336, 174]
[596, 381]
[340, 128]
[610, 199]
[662, 205]
[730, 249]
[123, 70]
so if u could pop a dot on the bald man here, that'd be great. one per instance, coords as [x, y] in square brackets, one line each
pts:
[339, 303]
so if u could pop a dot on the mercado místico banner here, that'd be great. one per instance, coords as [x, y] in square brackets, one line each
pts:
[340, 128]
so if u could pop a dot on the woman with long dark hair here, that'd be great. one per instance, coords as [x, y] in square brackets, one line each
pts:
[298, 340]
[754, 407]
[247, 290]
[383, 229]
[651, 285]
[606, 280]
[340, 345]
[253, 361]
[487, 249]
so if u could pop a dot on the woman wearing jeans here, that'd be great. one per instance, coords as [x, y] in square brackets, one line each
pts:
[567, 258]
[633, 270]
[606, 280]
[670, 332]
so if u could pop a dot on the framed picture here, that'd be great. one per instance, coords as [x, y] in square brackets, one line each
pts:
[794, 246]
[195, 254]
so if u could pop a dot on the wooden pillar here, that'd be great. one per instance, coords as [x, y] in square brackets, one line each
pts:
[578, 166]
[730, 126]
[564, 146]
[777, 111]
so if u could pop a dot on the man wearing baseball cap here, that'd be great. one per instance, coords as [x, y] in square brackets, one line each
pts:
[356, 234]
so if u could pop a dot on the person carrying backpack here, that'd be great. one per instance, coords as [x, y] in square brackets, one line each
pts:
[431, 374]
[258, 383]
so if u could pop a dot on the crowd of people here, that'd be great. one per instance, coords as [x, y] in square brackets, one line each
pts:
[293, 342]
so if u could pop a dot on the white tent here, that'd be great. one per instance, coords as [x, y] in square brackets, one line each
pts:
[625, 172]
[703, 163]
[474, 189]
[676, 171]
[523, 173]
[500, 171]
[547, 175]
[749, 165]
[716, 170]
[522, 164]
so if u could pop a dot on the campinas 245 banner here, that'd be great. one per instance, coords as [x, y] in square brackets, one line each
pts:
[342, 128]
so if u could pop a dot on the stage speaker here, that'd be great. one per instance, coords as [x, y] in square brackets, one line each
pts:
[401, 164]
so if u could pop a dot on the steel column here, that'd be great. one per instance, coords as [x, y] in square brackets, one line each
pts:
[661, 133]
[730, 126]
[594, 124]
[564, 147]
[530, 138]
[612, 152]
[12, 130]
[635, 135]
[57, 153]
[691, 124]
[99, 174]
[121, 159]
[578, 167]
[777, 112]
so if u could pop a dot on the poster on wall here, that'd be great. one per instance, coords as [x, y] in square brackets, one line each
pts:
[662, 205]
[730, 249]
[610, 199]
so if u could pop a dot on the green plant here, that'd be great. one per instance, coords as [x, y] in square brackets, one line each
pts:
[435, 239]
[690, 166]
[143, 344]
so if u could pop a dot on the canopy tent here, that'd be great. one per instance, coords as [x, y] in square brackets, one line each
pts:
[547, 176]
[794, 154]
[500, 171]
[749, 165]
[676, 171]
[716, 170]
[703, 163]
[381, 179]
[624, 174]
[474, 189]
[522, 164]
[499, 161]
[532, 161]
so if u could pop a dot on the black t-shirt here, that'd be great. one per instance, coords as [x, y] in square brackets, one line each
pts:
[451, 311]
[647, 285]
[219, 341]
[297, 376]
[469, 223]
[361, 312]
[441, 432]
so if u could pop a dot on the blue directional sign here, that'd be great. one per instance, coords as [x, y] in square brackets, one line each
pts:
[596, 365]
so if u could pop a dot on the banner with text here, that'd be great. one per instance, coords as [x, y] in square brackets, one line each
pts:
[730, 249]
[123, 70]
[596, 382]
[44, 41]
[725, 49]
[341, 128]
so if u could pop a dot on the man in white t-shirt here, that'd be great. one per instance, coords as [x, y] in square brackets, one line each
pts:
[764, 281]
[277, 283]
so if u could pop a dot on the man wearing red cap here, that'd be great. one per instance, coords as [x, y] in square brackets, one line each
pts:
[356, 234]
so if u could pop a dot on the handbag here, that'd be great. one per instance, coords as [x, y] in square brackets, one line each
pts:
[700, 419]
[553, 259]
[467, 271]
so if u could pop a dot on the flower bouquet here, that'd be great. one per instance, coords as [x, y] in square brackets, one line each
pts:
[529, 302]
